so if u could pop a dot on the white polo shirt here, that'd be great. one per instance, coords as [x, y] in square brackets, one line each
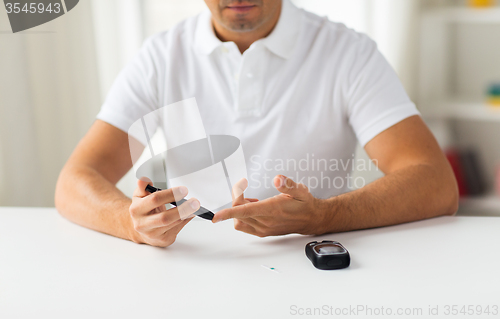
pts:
[298, 100]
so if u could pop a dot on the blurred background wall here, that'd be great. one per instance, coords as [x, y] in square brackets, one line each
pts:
[49, 95]
[53, 78]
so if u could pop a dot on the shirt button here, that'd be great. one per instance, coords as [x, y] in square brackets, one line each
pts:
[224, 49]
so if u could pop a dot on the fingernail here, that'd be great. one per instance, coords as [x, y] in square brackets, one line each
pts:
[145, 179]
[195, 205]
[183, 191]
[282, 181]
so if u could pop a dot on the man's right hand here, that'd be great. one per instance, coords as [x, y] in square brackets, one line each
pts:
[153, 223]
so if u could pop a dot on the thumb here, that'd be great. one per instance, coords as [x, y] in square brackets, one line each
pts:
[140, 191]
[287, 186]
[238, 192]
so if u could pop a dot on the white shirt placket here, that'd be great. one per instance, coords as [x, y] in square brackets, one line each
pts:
[249, 81]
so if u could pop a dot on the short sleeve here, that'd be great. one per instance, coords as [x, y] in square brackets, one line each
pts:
[134, 93]
[377, 99]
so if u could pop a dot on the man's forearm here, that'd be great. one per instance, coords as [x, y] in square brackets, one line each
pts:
[85, 197]
[413, 193]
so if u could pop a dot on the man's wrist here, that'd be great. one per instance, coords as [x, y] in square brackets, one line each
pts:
[325, 215]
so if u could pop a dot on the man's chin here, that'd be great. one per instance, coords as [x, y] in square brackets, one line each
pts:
[242, 29]
[243, 22]
[242, 25]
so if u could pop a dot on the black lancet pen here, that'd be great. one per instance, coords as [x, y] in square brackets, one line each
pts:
[202, 212]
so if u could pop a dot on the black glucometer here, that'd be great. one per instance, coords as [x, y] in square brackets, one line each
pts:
[328, 255]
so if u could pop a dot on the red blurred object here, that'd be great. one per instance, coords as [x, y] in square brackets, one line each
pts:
[453, 157]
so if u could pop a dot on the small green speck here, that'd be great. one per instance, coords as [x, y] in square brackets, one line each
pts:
[272, 268]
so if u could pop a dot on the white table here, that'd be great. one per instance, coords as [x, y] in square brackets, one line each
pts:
[51, 268]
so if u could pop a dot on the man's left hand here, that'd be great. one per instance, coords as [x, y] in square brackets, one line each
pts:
[295, 210]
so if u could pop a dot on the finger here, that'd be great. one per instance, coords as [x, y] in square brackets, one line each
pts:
[254, 222]
[157, 232]
[140, 190]
[244, 227]
[167, 218]
[188, 208]
[264, 226]
[242, 211]
[287, 186]
[178, 227]
[152, 201]
[166, 237]
[175, 228]
[238, 192]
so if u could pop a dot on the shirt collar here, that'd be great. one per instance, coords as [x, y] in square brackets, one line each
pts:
[205, 39]
[281, 41]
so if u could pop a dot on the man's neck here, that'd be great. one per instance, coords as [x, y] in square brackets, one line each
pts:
[244, 39]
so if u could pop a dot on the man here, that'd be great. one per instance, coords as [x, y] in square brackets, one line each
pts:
[290, 85]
